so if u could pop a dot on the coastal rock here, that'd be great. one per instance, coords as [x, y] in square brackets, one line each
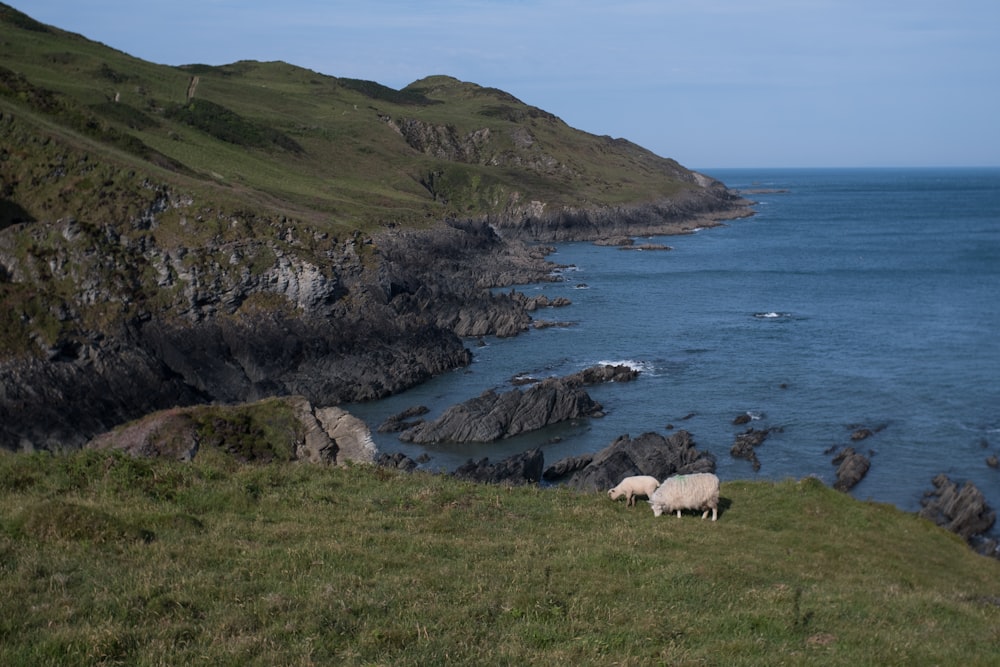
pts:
[519, 469]
[566, 466]
[349, 436]
[619, 241]
[647, 246]
[397, 461]
[963, 511]
[680, 214]
[851, 468]
[602, 373]
[532, 304]
[492, 416]
[745, 443]
[649, 454]
[403, 420]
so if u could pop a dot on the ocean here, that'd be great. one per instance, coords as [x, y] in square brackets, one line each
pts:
[853, 298]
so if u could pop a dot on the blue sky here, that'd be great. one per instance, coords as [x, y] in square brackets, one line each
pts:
[711, 83]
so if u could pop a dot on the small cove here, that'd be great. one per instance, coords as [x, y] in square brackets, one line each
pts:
[853, 298]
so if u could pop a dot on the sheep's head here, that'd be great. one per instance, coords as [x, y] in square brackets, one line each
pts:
[615, 493]
[657, 509]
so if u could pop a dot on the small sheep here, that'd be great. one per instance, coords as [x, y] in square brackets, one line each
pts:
[699, 491]
[630, 487]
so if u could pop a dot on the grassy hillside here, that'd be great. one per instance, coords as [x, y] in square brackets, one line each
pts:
[339, 151]
[110, 560]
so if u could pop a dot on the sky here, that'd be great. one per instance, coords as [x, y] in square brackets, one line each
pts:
[710, 83]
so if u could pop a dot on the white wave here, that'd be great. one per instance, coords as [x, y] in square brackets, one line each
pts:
[771, 315]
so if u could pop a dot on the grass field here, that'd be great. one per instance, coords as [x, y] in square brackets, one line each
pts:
[108, 560]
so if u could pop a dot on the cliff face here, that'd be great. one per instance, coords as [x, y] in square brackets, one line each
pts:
[363, 318]
[175, 236]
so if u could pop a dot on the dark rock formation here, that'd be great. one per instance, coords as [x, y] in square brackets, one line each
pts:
[384, 315]
[851, 468]
[548, 324]
[523, 468]
[745, 444]
[859, 432]
[963, 511]
[397, 461]
[649, 454]
[566, 466]
[646, 246]
[619, 241]
[492, 416]
[531, 304]
[677, 215]
[603, 373]
[403, 420]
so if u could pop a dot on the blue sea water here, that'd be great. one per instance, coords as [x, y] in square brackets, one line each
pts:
[853, 298]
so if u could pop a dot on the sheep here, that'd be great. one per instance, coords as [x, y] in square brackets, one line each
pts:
[699, 491]
[630, 487]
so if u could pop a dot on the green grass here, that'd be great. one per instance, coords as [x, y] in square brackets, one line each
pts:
[295, 139]
[110, 560]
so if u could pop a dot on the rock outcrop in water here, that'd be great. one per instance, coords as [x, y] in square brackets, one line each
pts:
[745, 445]
[493, 416]
[961, 510]
[852, 466]
[649, 454]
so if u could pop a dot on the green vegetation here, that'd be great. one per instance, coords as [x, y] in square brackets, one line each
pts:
[105, 559]
[342, 152]
[120, 176]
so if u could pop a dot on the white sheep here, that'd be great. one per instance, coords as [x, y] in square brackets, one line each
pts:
[630, 487]
[699, 491]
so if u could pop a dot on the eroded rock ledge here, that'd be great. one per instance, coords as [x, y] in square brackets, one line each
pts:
[333, 320]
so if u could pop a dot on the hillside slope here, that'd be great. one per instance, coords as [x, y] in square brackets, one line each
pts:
[109, 559]
[175, 235]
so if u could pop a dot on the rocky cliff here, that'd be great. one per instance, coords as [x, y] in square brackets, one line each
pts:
[179, 236]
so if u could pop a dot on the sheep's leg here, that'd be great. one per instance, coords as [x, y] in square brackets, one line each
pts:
[715, 513]
[678, 514]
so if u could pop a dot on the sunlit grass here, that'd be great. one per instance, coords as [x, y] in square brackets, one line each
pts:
[298, 564]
